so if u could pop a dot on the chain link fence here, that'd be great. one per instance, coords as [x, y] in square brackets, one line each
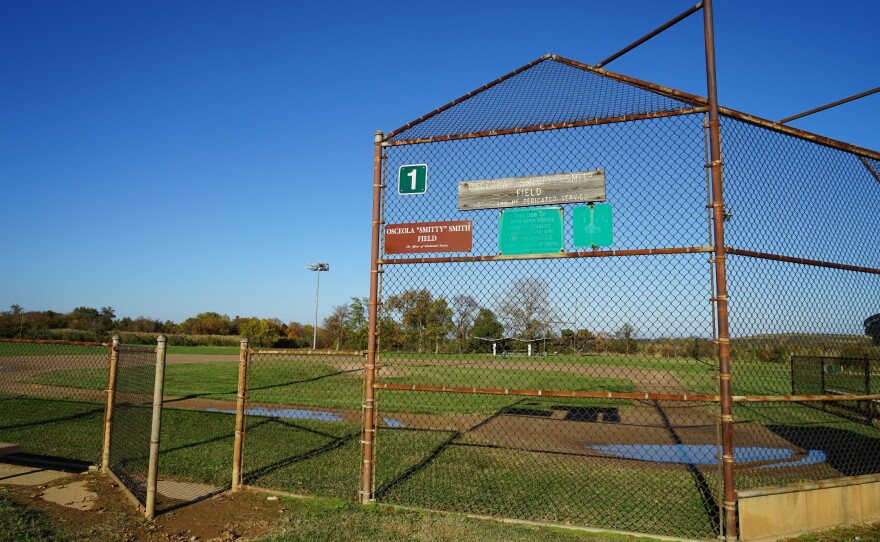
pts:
[303, 421]
[580, 385]
[132, 415]
[52, 398]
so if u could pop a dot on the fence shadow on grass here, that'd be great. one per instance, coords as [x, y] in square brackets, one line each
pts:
[848, 452]
[335, 442]
[79, 416]
[439, 449]
[707, 496]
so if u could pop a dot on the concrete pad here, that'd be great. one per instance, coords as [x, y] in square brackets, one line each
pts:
[74, 495]
[186, 491]
[16, 475]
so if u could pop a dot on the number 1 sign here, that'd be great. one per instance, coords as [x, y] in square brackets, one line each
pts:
[412, 179]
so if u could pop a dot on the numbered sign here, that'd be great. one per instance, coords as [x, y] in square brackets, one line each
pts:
[412, 179]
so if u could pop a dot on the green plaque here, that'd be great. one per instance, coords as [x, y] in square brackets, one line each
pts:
[530, 230]
[412, 179]
[592, 226]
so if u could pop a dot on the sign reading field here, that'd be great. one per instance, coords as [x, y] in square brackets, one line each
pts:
[418, 237]
[536, 190]
[412, 179]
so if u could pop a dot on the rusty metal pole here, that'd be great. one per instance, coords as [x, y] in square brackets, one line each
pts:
[156, 430]
[111, 401]
[369, 422]
[239, 415]
[729, 498]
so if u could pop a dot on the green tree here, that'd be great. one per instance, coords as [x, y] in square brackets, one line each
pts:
[336, 325]
[486, 326]
[625, 339]
[260, 332]
[423, 319]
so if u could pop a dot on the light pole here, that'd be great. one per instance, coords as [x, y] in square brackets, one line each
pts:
[317, 267]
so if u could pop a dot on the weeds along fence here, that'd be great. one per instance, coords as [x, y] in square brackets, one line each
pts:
[301, 422]
[491, 236]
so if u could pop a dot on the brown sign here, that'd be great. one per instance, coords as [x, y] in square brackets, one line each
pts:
[429, 237]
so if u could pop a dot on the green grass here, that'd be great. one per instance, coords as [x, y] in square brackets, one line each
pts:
[20, 523]
[311, 520]
[65, 429]
[321, 385]
[205, 350]
[36, 349]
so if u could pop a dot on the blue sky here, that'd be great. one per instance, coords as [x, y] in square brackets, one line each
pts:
[169, 158]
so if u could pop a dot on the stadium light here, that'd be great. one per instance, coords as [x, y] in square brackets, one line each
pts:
[317, 267]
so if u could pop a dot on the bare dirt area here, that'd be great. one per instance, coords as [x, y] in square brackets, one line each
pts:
[90, 506]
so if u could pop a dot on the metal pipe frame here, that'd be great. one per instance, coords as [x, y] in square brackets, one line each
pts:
[238, 444]
[156, 429]
[369, 418]
[720, 256]
[112, 377]
[651, 34]
[801, 261]
[584, 254]
[829, 106]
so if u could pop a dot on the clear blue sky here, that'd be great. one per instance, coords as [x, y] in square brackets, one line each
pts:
[169, 158]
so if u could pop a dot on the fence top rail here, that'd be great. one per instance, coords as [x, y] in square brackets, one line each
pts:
[316, 353]
[686, 97]
[45, 341]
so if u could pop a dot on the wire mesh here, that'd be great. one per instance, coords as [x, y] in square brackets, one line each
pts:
[52, 398]
[303, 422]
[132, 418]
[582, 387]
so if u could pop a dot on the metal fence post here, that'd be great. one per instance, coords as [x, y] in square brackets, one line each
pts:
[243, 358]
[369, 421]
[111, 400]
[727, 447]
[158, 391]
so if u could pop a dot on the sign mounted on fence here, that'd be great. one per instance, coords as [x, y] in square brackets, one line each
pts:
[592, 225]
[412, 179]
[554, 189]
[418, 237]
[530, 231]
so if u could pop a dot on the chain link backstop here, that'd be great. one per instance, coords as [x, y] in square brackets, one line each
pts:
[583, 385]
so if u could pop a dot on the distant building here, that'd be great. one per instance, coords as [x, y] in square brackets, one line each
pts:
[872, 328]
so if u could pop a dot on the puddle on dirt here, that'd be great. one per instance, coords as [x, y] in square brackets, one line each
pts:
[300, 414]
[707, 454]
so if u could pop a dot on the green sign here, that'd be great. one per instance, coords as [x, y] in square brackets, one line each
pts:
[412, 179]
[531, 230]
[592, 226]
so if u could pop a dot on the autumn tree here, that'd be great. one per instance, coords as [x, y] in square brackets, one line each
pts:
[423, 318]
[525, 308]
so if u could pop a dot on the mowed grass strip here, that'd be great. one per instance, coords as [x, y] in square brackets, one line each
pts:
[546, 487]
[313, 384]
[53, 428]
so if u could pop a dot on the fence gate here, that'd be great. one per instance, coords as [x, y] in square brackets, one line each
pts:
[133, 421]
[547, 293]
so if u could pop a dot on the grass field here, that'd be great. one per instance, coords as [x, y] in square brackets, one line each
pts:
[440, 464]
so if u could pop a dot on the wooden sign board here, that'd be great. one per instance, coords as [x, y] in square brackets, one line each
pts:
[419, 237]
[533, 191]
